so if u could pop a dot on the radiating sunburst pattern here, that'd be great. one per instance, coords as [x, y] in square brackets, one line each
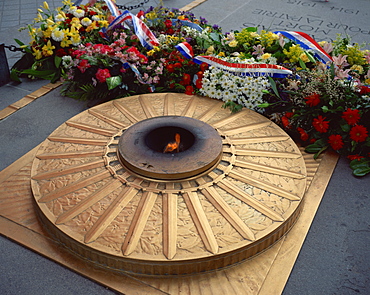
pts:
[116, 218]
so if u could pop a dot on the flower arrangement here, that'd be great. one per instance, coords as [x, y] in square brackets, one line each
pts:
[319, 93]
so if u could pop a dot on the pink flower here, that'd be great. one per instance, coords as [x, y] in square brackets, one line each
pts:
[258, 50]
[102, 75]
[340, 61]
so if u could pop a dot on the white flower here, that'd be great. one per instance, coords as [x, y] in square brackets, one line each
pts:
[59, 18]
[67, 61]
[86, 21]
[57, 35]
[78, 13]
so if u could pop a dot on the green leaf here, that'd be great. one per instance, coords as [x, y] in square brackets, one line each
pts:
[264, 105]
[57, 61]
[113, 82]
[310, 57]
[325, 109]
[251, 29]
[215, 37]
[273, 86]
[345, 128]
[361, 171]
[302, 64]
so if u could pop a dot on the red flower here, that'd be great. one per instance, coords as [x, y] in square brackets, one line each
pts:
[203, 66]
[199, 83]
[304, 135]
[312, 100]
[351, 116]
[186, 79]
[83, 65]
[286, 123]
[358, 133]
[364, 89]
[102, 75]
[61, 52]
[189, 90]
[335, 141]
[170, 68]
[168, 23]
[320, 124]
[355, 157]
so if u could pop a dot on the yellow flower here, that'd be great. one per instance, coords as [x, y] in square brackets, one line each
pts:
[210, 50]
[266, 56]
[151, 15]
[37, 53]
[74, 32]
[46, 5]
[76, 40]
[38, 18]
[367, 81]
[104, 23]
[47, 49]
[182, 17]
[50, 22]
[48, 31]
[304, 57]
[67, 2]
[221, 54]
[233, 43]
[76, 22]
[150, 52]
[65, 42]
[92, 27]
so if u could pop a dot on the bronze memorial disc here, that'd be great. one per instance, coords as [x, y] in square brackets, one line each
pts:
[241, 193]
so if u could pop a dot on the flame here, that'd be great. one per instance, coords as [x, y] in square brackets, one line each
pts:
[170, 147]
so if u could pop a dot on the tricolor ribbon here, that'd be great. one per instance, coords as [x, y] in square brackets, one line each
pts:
[185, 49]
[145, 35]
[307, 42]
[256, 70]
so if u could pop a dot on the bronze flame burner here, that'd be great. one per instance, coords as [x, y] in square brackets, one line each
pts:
[141, 148]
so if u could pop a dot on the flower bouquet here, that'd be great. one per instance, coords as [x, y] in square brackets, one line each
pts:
[318, 93]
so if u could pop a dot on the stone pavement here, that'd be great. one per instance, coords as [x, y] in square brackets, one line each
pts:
[335, 258]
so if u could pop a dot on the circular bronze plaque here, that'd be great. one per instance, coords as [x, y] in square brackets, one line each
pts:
[120, 220]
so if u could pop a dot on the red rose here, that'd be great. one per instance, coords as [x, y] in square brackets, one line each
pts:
[335, 141]
[351, 116]
[312, 100]
[304, 135]
[102, 75]
[320, 124]
[358, 133]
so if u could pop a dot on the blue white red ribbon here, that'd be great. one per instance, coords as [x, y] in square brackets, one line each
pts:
[138, 75]
[307, 42]
[112, 7]
[145, 35]
[256, 70]
[185, 49]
